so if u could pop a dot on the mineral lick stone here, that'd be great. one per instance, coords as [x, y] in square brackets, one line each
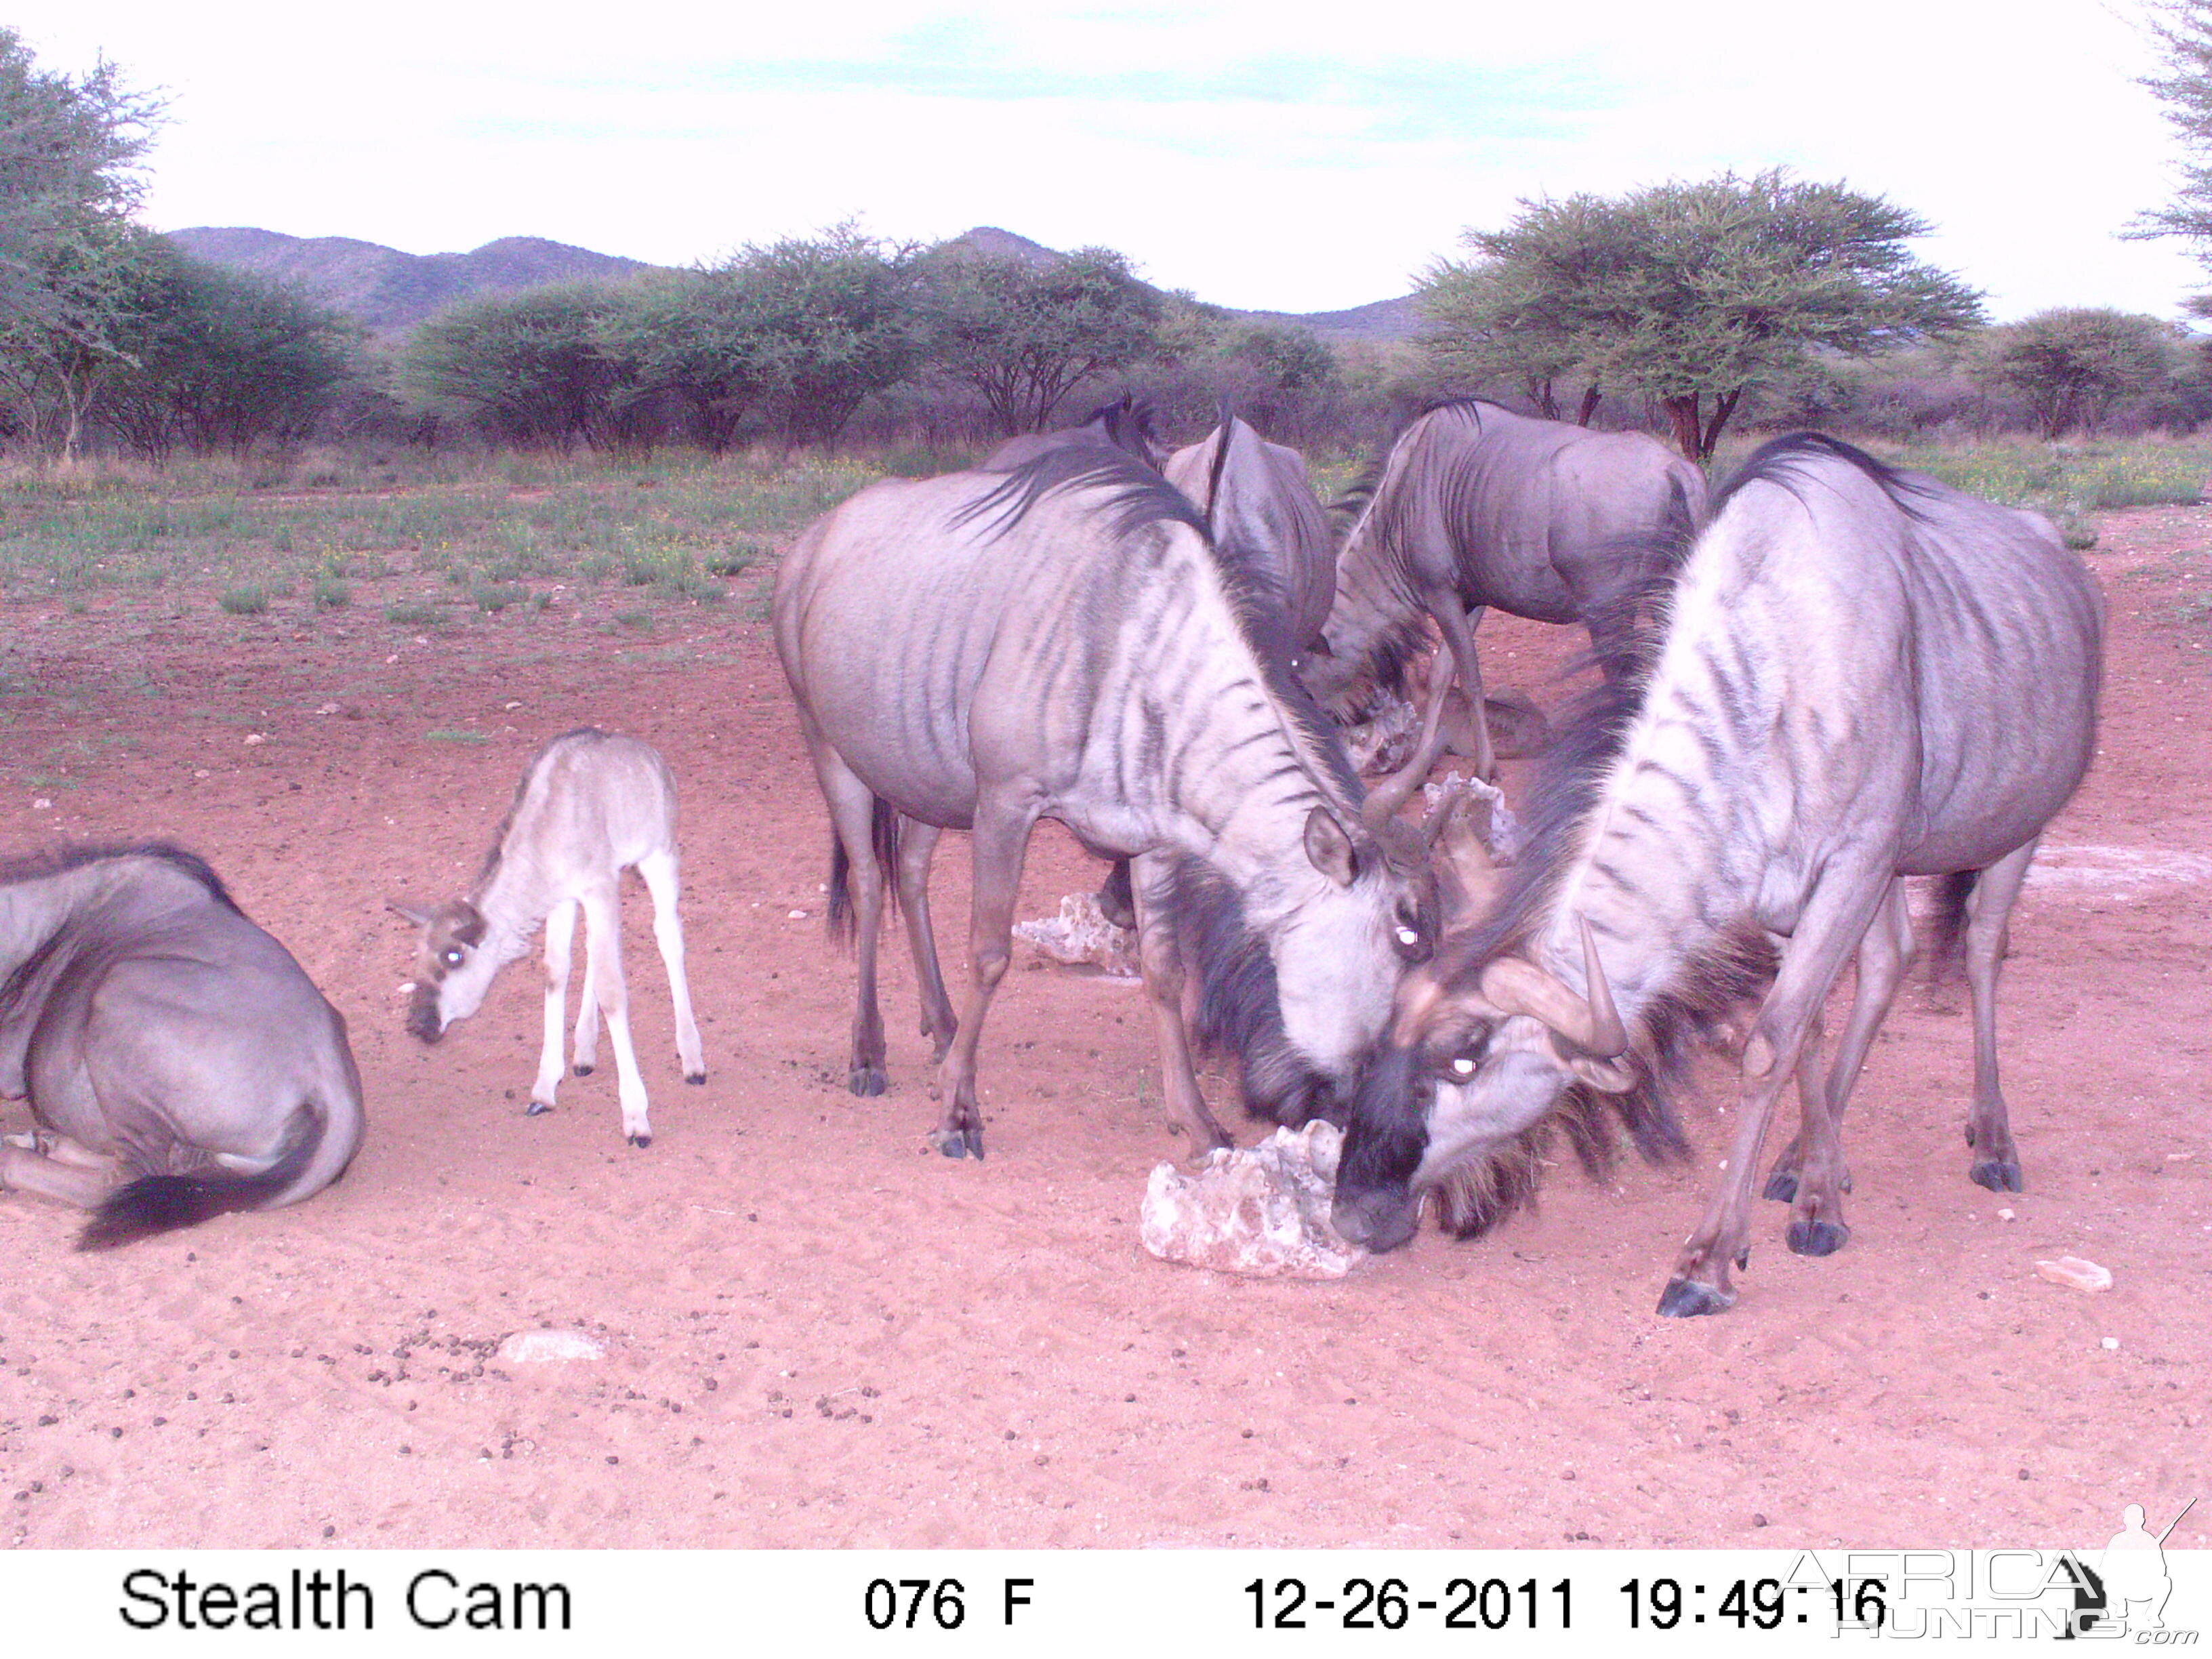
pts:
[1081, 933]
[2077, 1273]
[536, 1347]
[1264, 1211]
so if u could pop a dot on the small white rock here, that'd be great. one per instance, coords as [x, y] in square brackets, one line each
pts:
[42, 804]
[2007, 1215]
[254, 739]
[2073, 1271]
[798, 915]
[512, 707]
[536, 1347]
[2110, 1342]
[328, 708]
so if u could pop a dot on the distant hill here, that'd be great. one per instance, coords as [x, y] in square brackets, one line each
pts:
[388, 290]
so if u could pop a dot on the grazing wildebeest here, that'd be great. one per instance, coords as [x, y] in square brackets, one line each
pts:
[1865, 675]
[1125, 425]
[160, 1033]
[1477, 506]
[592, 804]
[1255, 495]
[979, 650]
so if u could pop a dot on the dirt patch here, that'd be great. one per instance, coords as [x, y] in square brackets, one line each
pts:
[816, 1333]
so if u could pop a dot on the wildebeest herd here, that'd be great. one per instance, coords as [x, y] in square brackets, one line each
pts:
[1820, 678]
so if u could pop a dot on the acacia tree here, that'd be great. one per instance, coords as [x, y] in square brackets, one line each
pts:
[2072, 365]
[1023, 335]
[1690, 294]
[70, 257]
[536, 367]
[2183, 32]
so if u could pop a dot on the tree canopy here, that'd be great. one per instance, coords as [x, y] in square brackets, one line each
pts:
[1688, 294]
[2072, 365]
[1025, 336]
[2183, 32]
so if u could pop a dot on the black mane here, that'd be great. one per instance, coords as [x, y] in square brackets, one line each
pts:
[59, 860]
[1782, 461]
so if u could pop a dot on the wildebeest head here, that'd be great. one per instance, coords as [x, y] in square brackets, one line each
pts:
[453, 968]
[1473, 1062]
[1302, 1003]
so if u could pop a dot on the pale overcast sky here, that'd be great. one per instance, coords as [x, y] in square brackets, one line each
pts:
[1275, 155]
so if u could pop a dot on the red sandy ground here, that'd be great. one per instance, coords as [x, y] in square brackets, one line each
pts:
[817, 1333]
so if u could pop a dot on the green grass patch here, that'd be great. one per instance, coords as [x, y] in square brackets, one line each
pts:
[457, 737]
[495, 597]
[247, 601]
[332, 594]
[411, 615]
[634, 618]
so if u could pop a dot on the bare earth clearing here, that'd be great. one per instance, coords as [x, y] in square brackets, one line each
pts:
[817, 1335]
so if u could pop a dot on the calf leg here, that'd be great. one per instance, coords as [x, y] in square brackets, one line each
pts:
[84, 1181]
[1164, 985]
[1002, 841]
[1989, 912]
[659, 872]
[602, 937]
[560, 943]
[917, 846]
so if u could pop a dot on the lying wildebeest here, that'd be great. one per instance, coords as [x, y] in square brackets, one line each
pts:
[160, 1033]
[1125, 425]
[1255, 495]
[592, 804]
[1865, 675]
[979, 650]
[1478, 506]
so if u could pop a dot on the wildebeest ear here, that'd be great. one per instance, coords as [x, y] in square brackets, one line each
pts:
[420, 918]
[1330, 848]
[1608, 1077]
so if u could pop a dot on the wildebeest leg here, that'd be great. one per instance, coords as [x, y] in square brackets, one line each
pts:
[1813, 1176]
[917, 846]
[659, 872]
[1831, 927]
[1398, 788]
[603, 938]
[587, 1048]
[852, 817]
[560, 943]
[1459, 625]
[1163, 984]
[1989, 913]
[83, 1183]
[1001, 843]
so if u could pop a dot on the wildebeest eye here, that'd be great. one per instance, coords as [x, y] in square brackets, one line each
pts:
[1405, 928]
[1463, 1064]
[455, 955]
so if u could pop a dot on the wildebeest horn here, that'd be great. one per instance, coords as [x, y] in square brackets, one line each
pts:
[1591, 1024]
[1387, 796]
[420, 918]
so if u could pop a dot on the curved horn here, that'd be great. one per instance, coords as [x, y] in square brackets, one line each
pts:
[1592, 1024]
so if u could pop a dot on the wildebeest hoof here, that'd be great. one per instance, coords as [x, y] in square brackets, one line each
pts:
[1743, 1258]
[1997, 1175]
[867, 1080]
[641, 1141]
[975, 1140]
[1684, 1298]
[583, 1071]
[1818, 1237]
[537, 1108]
[1781, 1187]
[950, 1142]
[695, 1077]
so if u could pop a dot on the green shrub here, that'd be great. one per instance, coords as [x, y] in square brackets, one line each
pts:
[332, 594]
[249, 601]
[497, 596]
[411, 615]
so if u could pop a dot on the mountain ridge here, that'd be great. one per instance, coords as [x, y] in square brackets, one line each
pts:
[389, 291]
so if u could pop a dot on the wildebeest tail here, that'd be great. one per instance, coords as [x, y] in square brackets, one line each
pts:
[884, 837]
[1946, 942]
[161, 1204]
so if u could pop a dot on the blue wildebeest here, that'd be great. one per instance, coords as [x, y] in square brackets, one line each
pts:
[979, 650]
[1865, 675]
[161, 1035]
[1477, 506]
[1256, 494]
[591, 804]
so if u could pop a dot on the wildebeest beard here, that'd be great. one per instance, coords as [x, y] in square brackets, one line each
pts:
[1240, 1008]
[423, 1020]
